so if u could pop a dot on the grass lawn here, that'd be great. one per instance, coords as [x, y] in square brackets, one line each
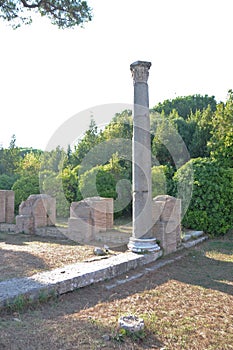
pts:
[185, 305]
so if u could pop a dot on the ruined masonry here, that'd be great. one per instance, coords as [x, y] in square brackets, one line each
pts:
[89, 217]
[7, 203]
[39, 210]
[166, 212]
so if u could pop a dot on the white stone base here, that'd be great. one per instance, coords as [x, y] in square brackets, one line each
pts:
[143, 245]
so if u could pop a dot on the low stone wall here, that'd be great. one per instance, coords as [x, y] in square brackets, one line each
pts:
[7, 227]
[53, 232]
[167, 222]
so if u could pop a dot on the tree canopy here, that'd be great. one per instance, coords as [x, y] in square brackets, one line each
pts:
[63, 13]
[186, 105]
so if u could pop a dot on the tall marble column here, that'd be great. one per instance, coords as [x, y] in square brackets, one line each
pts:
[142, 239]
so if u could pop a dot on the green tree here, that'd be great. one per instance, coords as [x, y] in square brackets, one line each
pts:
[70, 184]
[7, 181]
[53, 160]
[186, 105]
[30, 164]
[203, 126]
[51, 184]
[221, 142]
[168, 146]
[10, 158]
[62, 13]
[88, 142]
[120, 127]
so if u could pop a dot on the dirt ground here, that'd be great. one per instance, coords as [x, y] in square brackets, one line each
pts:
[24, 255]
[185, 305]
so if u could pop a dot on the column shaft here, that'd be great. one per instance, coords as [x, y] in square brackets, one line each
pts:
[142, 199]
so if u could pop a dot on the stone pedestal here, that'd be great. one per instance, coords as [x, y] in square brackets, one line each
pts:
[142, 238]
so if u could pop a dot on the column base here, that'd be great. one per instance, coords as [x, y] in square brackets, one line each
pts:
[143, 245]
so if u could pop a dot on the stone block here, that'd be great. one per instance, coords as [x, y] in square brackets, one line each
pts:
[159, 231]
[94, 215]
[10, 206]
[170, 238]
[99, 216]
[170, 248]
[167, 228]
[25, 224]
[80, 209]
[157, 209]
[7, 206]
[42, 210]
[80, 230]
[109, 212]
[2, 206]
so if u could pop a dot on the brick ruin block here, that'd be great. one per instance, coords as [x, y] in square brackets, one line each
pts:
[39, 210]
[109, 212]
[90, 216]
[80, 223]
[7, 206]
[167, 222]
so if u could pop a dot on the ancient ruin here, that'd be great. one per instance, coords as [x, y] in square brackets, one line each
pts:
[89, 217]
[166, 212]
[7, 206]
[39, 210]
[142, 238]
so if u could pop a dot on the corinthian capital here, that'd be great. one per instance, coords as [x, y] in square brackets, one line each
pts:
[140, 71]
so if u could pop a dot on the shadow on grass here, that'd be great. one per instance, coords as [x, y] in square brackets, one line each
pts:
[11, 263]
[205, 272]
[23, 238]
[72, 334]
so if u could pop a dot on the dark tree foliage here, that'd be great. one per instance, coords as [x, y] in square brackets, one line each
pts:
[186, 105]
[63, 13]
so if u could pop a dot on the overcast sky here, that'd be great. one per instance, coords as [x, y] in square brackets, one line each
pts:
[48, 75]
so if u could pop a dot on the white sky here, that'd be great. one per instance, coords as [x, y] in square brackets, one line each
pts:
[48, 75]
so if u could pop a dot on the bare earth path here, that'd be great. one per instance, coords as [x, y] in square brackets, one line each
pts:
[186, 305]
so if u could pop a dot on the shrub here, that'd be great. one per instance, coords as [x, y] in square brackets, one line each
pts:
[211, 204]
[24, 187]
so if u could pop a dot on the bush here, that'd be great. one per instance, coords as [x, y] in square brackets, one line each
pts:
[211, 205]
[24, 187]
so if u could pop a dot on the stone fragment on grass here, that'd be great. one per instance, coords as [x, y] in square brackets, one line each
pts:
[99, 251]
[131, 323]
